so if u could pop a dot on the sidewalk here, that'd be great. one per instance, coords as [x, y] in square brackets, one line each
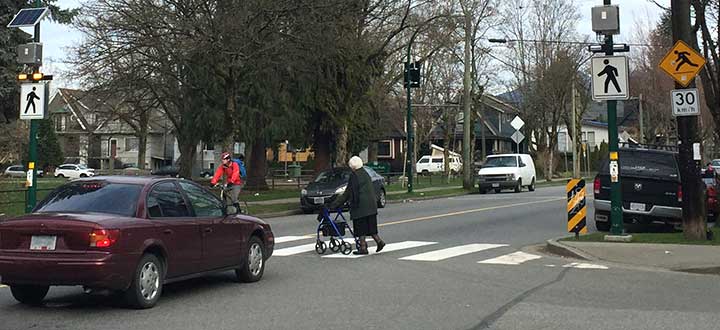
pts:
[689, 258]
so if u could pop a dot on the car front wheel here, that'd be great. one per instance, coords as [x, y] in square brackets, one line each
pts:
[146, 286]
[29, 294]
[253, 263]
[518, 186]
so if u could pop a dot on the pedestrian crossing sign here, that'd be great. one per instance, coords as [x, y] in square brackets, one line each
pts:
[682, 63]
[610, 78]
[33, 98]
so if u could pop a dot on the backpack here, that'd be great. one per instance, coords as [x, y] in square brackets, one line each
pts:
[241, 165]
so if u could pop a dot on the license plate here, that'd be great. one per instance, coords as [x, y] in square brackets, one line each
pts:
[43, 243]
[495, 185]
[319, 200]
[637, 206]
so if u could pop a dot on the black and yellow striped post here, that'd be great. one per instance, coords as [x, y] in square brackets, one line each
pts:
[576, 207]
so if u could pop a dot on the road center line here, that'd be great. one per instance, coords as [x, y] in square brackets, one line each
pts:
[431, 217]
[467, 211]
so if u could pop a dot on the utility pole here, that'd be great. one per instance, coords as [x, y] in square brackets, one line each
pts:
[642, 127]
[693, 202]
[576, 161]
[467, 99]
[616, 212]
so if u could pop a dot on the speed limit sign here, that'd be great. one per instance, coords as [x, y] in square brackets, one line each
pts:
[685, 102]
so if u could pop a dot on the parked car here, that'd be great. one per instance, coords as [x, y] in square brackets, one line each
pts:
[207, 173]
[430, 164]
[715, 164]
[169, 170]
[712, 183]
[73, 171]
[18, 171]
[650, 185]
[128, 234]
[330, 184]
[506, 171]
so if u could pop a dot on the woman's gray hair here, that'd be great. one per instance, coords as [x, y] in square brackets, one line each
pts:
[355, 162]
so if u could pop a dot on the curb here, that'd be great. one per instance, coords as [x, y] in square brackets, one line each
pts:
[277, 214]
[555, 247]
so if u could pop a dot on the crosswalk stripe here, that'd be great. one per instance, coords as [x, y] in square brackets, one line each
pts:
[294, 250]
[451, 252]
[582, 265]
[388, 248]
[515, 258]
[285, 239]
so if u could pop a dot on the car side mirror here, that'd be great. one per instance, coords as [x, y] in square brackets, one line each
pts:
[522, 165]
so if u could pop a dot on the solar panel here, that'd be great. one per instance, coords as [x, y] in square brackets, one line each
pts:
[28, 17]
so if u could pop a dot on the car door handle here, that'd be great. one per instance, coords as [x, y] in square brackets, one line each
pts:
[207, 230]
[167, 231]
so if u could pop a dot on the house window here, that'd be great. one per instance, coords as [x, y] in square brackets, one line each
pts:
[131, 144]
[385, 149]
[591, 139]
[60, 123]
[209, 146]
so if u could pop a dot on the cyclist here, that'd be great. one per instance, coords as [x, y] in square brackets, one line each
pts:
[231, 170]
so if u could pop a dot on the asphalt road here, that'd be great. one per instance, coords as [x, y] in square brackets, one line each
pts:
[467, 262]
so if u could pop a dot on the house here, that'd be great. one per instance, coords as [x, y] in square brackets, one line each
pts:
[494, 126]
[593, 133]
[437, 151]
[88, 135]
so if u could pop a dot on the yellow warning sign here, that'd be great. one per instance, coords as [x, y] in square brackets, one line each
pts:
[682, 63]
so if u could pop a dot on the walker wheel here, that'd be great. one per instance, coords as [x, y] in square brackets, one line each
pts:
[346, 248]
[320, 247]
[335, 245]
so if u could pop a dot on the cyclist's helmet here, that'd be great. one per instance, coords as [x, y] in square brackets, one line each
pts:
[225, 155]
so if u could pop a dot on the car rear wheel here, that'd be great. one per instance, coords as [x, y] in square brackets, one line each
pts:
[82, 175]
[147, 283]
[531, 187]
[29, 294]
[60, 176]
[253, 264]
[382, 200]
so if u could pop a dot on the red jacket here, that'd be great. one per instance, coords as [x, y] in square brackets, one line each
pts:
[232, 174]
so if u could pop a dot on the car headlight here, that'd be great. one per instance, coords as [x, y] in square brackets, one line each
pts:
[303, 192]
[511, 176]
[341, 190]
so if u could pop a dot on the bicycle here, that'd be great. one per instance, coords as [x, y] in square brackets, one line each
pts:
[225, 197]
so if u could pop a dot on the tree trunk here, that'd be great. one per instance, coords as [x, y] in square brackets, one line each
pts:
[257, 168]
[142, 139]
[230, 113]
[373, 151]
[467, 98]
[321, 147]
[341, 148]
[187, 156]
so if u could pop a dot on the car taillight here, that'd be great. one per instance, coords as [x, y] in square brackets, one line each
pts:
[104, 237]
[596, 186]
[679, 193]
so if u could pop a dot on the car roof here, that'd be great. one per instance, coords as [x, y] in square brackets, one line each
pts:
[128, 179]
[656, 151]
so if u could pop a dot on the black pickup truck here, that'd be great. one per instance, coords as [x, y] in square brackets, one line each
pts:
[651, 190]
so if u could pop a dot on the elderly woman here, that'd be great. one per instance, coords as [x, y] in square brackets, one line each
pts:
[363, 205]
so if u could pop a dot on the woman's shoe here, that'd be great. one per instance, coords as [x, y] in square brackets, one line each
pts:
[380, 246]
[360, 252]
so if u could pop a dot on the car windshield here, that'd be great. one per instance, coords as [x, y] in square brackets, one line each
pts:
[333, 176]
[95, 196]
[501, 161]
[716, 162]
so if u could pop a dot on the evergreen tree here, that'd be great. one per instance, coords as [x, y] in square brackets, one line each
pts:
[49, 152]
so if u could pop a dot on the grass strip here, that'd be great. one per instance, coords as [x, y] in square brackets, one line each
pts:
[653, 238]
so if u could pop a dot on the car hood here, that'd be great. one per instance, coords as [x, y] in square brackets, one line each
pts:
[497, 170]
[326, 188]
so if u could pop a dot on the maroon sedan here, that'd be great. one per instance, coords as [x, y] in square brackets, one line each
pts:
[128, 234]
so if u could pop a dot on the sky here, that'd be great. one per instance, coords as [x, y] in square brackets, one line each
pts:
[56, 38]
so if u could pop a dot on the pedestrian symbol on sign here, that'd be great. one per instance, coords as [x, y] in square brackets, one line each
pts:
[30, 98]
[682, 58]
[611, 73]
